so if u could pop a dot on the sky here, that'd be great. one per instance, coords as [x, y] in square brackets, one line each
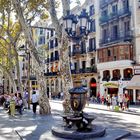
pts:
[73, 4]
[59, 10]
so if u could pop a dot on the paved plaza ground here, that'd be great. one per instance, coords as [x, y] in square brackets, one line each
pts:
[36, 127]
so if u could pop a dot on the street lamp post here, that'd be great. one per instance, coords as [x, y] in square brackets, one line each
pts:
[77, 29]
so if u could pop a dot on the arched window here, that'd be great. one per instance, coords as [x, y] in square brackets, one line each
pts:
[116, 75]
[128, 74]
[106, 75]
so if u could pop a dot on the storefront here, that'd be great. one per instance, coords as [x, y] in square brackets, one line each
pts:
[111, 88]
[134, 85]
[93, 87]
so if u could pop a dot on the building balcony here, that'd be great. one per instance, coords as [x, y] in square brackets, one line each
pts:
[122, 36]
[85, 70]
[77, 52]
[51, 46]
[52, 59]
[126, 79]
[106, 79]
[83, 51]
[91, 49]
[24, 77]
[51, 74]
[104, 3]
[56, 58]
[115, 79]
[47, 60]
[115, 16]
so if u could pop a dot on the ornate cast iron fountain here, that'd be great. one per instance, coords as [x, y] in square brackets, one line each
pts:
[82, 121]
[78, 125]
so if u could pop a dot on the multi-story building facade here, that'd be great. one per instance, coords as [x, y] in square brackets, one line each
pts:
[107, 57]
[39, 32]
[85, 64]
[118, 45]
[52, 67]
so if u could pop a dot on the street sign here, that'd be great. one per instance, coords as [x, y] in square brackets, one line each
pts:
[137, 69]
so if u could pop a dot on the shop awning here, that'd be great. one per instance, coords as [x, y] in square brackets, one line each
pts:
[134, 83]
[111, 85]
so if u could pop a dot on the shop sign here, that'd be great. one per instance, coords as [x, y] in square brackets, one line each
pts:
[137, 69]
[93, 85]
[111, 85]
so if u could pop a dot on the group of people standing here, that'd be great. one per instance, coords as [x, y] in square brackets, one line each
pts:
[19, 102]
[121, 101]
[12, 102]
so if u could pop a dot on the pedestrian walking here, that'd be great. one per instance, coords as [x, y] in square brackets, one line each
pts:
[19, 103]
[102, 99]
[98, 97]
[108, 101]
[120, 100]
[127, 101]
[25, 99]
[114, 102]
[61, 95]
[34, 100]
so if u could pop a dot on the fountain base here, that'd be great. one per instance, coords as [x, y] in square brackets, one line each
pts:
[68, 133]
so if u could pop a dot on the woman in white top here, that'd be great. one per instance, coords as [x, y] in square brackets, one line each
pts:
[34, 99]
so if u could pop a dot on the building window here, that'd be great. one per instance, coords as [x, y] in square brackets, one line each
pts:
[106, 75]
[116, 75]
[128, 74]
[92, 26]
[127, 28]
[92, 62]
[41, 31]
[125, 5]
[52, 32]
[51, 56]
[104, 13]
[104, 35]
[56, 42]
[83, 46]
[92, 43]
[109, 52]
[47, 35]
[41, 40]
[70, 51]
[56, 55]
[114, 9]
[115, 32]
[75, 66]
[91, 10]
[83, 64]
[51, 44]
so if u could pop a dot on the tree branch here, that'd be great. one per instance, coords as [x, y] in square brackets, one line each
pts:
[54, 18]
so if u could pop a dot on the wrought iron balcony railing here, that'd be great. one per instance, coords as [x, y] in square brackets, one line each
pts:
[121, 36]
[85, 70]
[112, 16]
[91, 49]
[51, 74]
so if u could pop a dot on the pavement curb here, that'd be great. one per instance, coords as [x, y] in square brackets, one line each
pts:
[123, 136]
[138, 114]
[131, 113]
[18, 135]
